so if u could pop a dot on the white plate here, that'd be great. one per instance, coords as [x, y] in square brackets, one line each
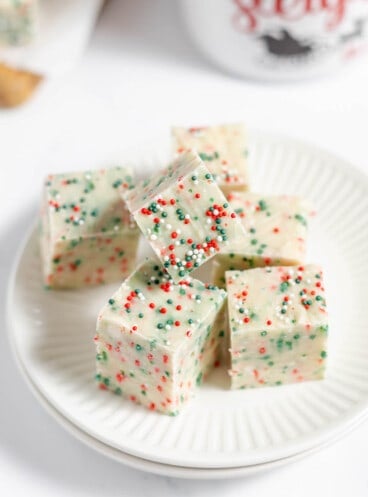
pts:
[167, 469]
[53, 331]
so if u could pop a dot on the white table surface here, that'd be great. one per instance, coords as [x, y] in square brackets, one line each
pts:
[139, 75]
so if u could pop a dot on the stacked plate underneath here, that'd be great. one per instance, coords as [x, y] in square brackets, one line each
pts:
[221, 433]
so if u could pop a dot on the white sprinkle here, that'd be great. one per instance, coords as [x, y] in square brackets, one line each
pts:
[153, 237]
[168, 226]
[219, 238]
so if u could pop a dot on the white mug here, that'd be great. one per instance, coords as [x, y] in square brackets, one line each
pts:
[279, 39]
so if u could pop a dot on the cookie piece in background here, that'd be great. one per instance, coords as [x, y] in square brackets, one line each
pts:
[16, 85]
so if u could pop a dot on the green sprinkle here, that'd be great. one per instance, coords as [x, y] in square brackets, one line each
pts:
[284, 286]
[199, 379]
[301, 219]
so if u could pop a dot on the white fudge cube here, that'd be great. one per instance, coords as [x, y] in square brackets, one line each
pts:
[222, 148]
[87, 234]
[184, 215]
[276, 228]
[156, 340]
[18, 21]
[278, 325]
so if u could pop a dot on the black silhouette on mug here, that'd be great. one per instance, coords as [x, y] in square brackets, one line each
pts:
[285, 45]
[357, 32]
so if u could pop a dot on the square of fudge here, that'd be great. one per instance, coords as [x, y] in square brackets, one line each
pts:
[88, 236]
[223, 149]
[157, 339]
[278, 325]
[276, 227]
[18, 21]
[184, 215]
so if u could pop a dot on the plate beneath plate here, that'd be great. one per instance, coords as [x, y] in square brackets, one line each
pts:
[168, 469]
[52, 333]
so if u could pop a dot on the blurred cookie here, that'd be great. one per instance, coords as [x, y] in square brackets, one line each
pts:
[16, 85]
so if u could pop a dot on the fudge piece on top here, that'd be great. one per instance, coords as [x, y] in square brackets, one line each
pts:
[276, 229]
[87, 234]
[222, 148]
[156, 340]
[18, 21]
[184, 215]
[278, 325]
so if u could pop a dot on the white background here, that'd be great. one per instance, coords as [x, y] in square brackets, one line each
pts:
[139, 75]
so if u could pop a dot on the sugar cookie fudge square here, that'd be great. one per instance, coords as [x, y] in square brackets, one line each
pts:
[87, 234]
[278, 325]
[156, 340]
[184, 215]
[276, 228]
[18, 21]
[222, 148]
